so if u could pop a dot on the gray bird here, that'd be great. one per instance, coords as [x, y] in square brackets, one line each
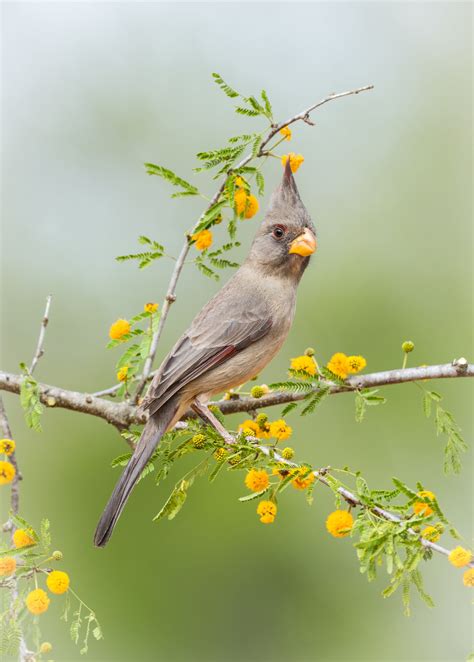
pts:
[232, 339]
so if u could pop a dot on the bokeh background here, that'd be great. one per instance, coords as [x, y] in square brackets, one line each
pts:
[90, 92]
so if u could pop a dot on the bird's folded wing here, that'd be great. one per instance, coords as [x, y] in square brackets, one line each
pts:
[212, 339]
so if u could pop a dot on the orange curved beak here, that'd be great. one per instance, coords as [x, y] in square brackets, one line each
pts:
[305, 244]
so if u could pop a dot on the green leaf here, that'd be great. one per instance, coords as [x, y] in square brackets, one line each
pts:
[316, 400]
[209, 216]
[260, 182]
[360, 407]
[170, 176]
[30, 402]
[267, 104]
[179, 494]
[227, 89]
[254, 495]
[292, 387]
[249, 112]
[289, 407]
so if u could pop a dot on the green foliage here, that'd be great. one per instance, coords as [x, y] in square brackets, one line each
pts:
[315, 400]
[30, 400]
[144, 258]
[445, 424]
[224, 87]
[10, 635]
[366, 398]
[170, 176]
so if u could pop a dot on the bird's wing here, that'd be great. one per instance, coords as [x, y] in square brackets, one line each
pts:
[217, 333]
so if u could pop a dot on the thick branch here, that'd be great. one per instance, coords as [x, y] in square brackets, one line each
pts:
[171, 293]
[123, 414]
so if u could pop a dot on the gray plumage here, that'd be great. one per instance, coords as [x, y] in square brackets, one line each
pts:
[233, 337]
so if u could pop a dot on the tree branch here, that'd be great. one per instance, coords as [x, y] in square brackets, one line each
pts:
[353, 500]
[15, 488]
[123, 414]
[44, 323]
[171, 293]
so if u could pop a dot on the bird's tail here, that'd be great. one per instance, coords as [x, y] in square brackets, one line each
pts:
[154, 429]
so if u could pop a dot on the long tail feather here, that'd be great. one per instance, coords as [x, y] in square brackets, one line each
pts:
[151, 435]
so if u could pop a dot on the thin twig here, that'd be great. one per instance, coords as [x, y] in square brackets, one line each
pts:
[122, 414]
[44, 323]
[171, 293]
[15, 488]
[24, 653]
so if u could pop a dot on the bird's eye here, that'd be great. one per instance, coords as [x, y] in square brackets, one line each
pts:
[279, 231]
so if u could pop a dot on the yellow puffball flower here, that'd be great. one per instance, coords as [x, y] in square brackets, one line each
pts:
[150, 307]
[303, 478]
[58, 582]
[286, 132]
[202, 239]
[431, 533]
[122, 373]
[251, 428]
[280, 430]
[37, 601]
[295, 160]
[119, 329]
[198, 441]
[220, 454]
[251, 206]
[459, 557]
[257, 480]
[7, 472]
[468, 578]
[7, 566]
[421, 508]
[7, 446]
[21, 538]
[305, 363]
[45, 647]
[287, 453]
[339, 523]
[339, 364]
[267, 511]
[356, 363]
[240, 201]
[57, 555]
[408, 346]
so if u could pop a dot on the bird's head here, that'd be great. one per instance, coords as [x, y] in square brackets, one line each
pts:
[287, 237]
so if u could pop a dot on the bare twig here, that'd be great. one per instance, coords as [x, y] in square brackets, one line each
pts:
[122, 414]
[44, 323]
[171, 293]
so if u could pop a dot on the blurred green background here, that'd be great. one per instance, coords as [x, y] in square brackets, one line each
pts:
[90, 92]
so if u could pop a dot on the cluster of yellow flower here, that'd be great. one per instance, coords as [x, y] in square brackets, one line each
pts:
[458, 557]
[7, 469]
[38, 601]
[341, 365]
[339, 523]
[202, 240]
[262, 428]
[305, 363]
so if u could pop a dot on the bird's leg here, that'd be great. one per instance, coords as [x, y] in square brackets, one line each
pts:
[208, 417]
